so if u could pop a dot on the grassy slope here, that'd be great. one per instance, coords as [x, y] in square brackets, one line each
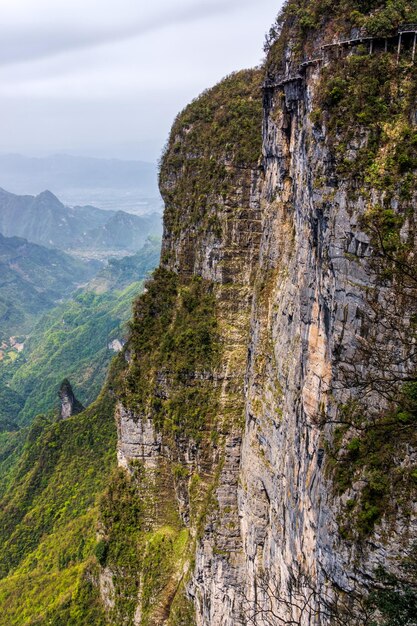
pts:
[71, 342]
[48, 519]
[53, 473]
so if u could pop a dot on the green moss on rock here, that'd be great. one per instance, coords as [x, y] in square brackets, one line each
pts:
[369, 455]
[211, 142]
[174, 344]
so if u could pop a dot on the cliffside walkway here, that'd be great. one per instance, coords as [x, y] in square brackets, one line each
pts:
[405, 36]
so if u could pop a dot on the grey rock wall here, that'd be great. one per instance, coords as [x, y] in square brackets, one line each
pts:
[309, 296]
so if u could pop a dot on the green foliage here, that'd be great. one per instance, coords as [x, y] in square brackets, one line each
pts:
[211, 141]
[83, 608]
[120, 273]
[145, 541]
[372, 456]
[174, 336]
[367, 105]
[388, 16]
[299, 21]
[173, 348]
[101, 551]
[395, 596]
[11, 445]
[72, 340]
[11, 403]
[182, 610]
[48, 515]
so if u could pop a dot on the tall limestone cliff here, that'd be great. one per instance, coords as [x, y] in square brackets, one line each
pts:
[181, 414]
[267, 438]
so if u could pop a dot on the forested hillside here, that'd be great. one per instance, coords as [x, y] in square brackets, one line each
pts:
[75, 340]
[32, 279]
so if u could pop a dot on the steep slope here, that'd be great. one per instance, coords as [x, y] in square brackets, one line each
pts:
[328, 462]
[51, 481]
[293, 489]
[44, 220]
[266, 401]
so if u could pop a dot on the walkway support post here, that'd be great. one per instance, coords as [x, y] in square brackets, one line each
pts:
[399, 48]
[414, 46]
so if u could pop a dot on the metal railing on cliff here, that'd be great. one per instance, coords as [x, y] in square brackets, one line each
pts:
[326, 51]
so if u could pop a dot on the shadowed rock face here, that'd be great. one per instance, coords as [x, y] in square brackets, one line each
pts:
[69, 403]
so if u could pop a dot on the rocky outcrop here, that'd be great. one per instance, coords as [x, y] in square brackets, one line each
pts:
[69, 403]
[210, 248]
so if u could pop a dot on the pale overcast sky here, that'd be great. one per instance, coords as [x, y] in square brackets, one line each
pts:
[107, 77]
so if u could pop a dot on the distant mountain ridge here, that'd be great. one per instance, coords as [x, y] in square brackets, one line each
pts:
[44, 220]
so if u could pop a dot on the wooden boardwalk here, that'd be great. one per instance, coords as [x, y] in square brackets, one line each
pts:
[325, 52]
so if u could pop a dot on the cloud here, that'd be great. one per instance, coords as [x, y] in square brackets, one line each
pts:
[108, 76]
[36, 40]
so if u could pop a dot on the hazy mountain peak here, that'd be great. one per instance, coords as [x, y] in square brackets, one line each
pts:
[5, 193]
[48, 196]
[45, 220]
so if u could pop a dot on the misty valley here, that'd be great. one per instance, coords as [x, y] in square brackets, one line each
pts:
[68, 279]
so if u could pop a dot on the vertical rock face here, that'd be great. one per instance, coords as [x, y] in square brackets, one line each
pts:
[318, 301]
[257, 420]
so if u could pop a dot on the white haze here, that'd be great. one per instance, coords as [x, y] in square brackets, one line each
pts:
[106, 78]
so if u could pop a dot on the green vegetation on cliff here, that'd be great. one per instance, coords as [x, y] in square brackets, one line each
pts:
[173, 347]
[367, 106]
[371, 454]
[69, 519]
[363, 119]
[211, 141]
[300, 21]
[175, 377]
[174, 342]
